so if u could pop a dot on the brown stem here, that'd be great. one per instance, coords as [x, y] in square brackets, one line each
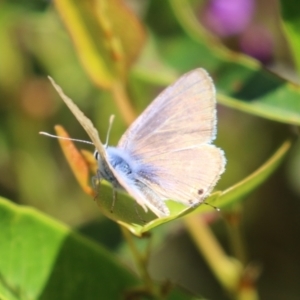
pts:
[123, 102]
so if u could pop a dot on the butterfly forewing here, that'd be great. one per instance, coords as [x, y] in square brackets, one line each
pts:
[182, 116]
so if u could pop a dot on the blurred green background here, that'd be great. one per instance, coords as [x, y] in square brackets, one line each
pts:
[34, 43]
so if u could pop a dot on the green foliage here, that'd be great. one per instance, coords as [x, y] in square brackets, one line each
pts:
[109, 61]
[39, 260]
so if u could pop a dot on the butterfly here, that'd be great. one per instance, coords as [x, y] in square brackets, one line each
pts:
[167, 152]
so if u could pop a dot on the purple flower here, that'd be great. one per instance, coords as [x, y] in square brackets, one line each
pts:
[228, 17]
[257, 42]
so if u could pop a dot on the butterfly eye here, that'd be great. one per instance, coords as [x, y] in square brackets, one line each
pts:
[96, 155]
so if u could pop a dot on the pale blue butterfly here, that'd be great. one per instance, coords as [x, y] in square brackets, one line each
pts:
[167, 152]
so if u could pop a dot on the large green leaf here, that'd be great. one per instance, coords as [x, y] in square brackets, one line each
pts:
[42, 259]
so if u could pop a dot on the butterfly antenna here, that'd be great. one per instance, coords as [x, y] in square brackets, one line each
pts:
[64, 138]
[111, 120]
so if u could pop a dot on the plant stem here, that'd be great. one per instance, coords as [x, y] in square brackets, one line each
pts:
[141, 260]
[123, 102]
[227, 270]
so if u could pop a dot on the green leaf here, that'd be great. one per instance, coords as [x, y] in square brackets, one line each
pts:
[241, 82]
[130, 215]
[43, 259]
[106, 36]
[290, 13]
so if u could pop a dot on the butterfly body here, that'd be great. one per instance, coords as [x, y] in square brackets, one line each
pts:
[104, 172]
[121, 163]
[167, 152]
[131, 173]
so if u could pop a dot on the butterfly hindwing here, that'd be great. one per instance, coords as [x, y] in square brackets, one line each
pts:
[186, 175]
